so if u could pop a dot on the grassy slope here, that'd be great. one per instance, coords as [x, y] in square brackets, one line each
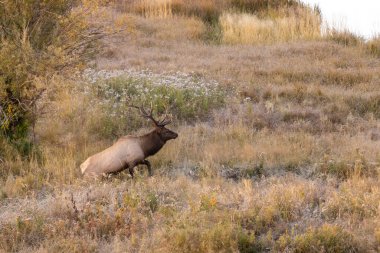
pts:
[290, 163]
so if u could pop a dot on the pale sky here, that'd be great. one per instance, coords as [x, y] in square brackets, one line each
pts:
[359, 16]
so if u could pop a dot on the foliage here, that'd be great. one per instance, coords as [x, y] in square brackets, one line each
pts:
[37, 40]
[185, 103]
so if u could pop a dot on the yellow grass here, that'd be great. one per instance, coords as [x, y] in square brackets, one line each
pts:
[290, 162]
[244, 28]
[154, 8]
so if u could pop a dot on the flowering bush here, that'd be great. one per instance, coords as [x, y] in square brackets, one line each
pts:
[186, 96]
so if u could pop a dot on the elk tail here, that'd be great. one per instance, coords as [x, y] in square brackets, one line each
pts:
[84, 165]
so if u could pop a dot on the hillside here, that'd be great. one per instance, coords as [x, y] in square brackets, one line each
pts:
[278, 147]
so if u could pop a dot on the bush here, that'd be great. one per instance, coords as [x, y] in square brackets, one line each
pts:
[38, 39]
[186, 103]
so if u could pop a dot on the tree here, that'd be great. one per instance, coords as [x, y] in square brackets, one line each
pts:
[39, 38]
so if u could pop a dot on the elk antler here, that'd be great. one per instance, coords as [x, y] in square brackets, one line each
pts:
[165, 121]
[149, 115]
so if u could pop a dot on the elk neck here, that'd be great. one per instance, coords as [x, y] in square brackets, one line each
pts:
[151, 143]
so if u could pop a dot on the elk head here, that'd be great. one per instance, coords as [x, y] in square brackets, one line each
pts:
[164, 133]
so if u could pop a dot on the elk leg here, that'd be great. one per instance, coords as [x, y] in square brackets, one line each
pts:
[147, 163]
[131, 169]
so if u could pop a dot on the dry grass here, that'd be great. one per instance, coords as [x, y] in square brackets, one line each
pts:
[278, 22]
[373, 46]
[248, 29]
[155, 8]
[290, 161]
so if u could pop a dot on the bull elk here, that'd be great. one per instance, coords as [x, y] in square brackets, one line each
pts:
[130, 151]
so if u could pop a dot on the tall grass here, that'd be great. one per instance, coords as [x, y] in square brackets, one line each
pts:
[246, 22]
[373, 46]
[208, 10]
[244, 28]
[155, 8]
[343, 37]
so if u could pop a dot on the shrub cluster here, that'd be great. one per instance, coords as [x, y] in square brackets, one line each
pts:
[186, 103]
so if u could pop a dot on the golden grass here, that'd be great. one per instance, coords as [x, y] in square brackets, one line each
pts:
[184, 215]
[290, 163]
[155, 8]
[244, 28]
[293, 23]
[373, 46]
[168, 8]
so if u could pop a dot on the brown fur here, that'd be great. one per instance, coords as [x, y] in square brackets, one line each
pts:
[128, 152]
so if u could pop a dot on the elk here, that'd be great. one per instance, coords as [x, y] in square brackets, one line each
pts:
[130, 151]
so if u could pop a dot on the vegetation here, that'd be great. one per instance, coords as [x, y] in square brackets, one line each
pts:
[37, 40]
[279, 137]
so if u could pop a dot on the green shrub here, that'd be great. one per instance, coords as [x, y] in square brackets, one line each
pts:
[184, 103]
